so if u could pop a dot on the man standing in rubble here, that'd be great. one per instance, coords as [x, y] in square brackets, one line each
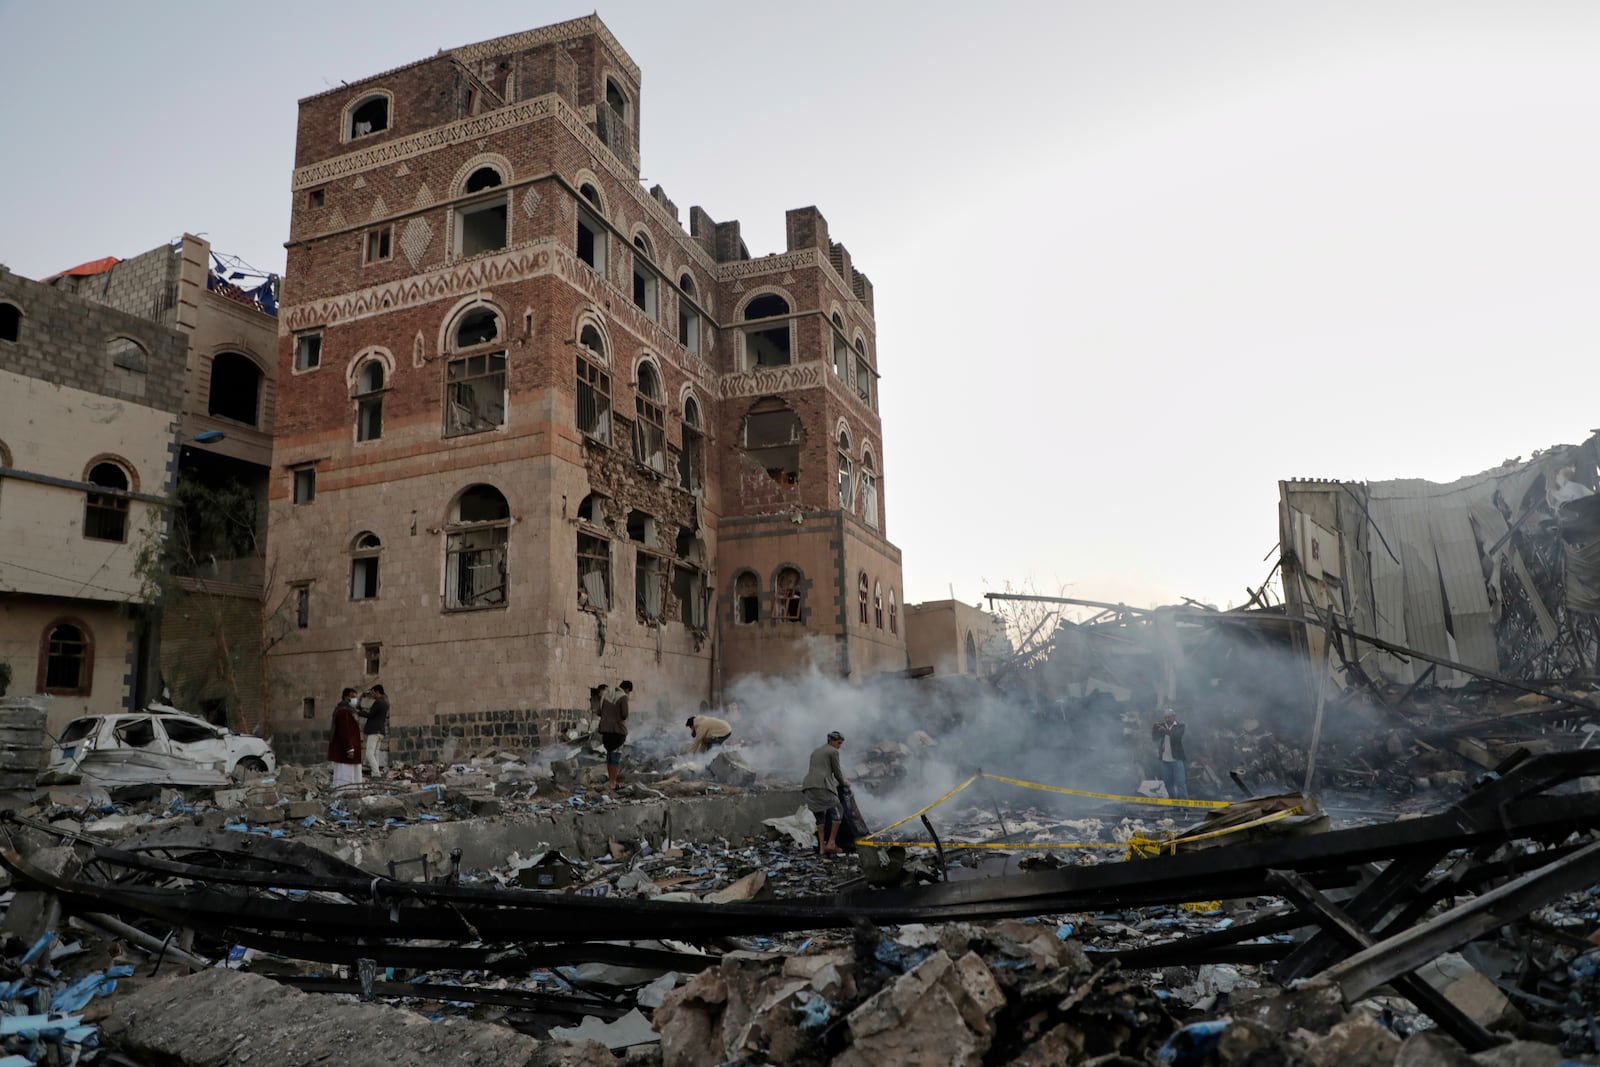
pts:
[344, 744]
[373, 758]
[614, 728]
[823, 778]
[1168, 736]
[709, 732]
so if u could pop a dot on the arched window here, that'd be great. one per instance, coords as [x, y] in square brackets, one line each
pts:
[863, 587]
[369, 401]
[894, 612]
[594, 385]
[767, 346]
[863, 374]
[11, 321]
[746, 599]
[688, 318]
[481, 179]
[105, 515]
[127, 354]
[877, 604]
[847, 497]
[475, 549]
[617, 100]
[66, 659]
[646, 287]
[369, 115]
[971, 666]
[788, 603]
[475, 381]
[772, 438]
[869, 490]
[692, 459]
[649, 429]
[592, 508]
[364, 551]
[235, 388]
[591, 231]
[841, 350]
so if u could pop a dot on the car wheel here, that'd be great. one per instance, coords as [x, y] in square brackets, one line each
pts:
[252, 764]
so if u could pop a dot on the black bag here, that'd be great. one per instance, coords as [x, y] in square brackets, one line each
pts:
[851, 825]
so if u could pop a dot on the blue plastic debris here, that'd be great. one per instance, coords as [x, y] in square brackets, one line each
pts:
[35, 1025]
[16, 1061]
[1064, 931]
[815, 1014]
[38, 947]
[1191, 1045]
[75, 996]
[238, 826]
[801, 951]
[309, 821]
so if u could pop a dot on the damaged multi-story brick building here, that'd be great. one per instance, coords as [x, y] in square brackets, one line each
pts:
[536, 435]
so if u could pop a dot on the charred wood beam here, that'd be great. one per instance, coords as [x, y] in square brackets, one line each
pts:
[1410, 949]
[1337, 922]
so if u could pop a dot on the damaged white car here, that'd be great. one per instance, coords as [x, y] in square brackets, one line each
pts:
[158, 746]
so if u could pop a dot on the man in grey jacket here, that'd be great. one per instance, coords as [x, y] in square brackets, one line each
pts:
[823, 778]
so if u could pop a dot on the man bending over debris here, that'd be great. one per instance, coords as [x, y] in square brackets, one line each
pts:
[822, 777]
[614, 728]
[344, 744]
[709, 732]
[1168, 736]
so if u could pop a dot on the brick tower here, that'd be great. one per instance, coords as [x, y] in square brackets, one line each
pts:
[533, 435]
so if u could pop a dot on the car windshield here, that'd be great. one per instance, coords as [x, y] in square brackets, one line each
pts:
[78, 729]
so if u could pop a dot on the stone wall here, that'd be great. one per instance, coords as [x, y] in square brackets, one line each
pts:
[446, 738]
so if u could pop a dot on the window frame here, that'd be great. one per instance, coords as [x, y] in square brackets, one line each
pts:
[377, 245]
[650, 421]
[593, 381]
[111, 500]
[348, 124]
[460, 542]
[305, 477]
[593, 556]
[85, 658]
[301, 362]
[365, 560]
[16, 318]
[746, 598]
[863, 588]
[369, 402]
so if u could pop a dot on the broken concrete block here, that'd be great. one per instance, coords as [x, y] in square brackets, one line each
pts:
[34, 913]
[381, 807]
[1521, 1054]
[1359, 1041]
[730, 768]
[938, 1013]
[630, 1030]
[689, 1020]
[831, 974]
[228, 798]
[264, 816]
[301, 809]
[1472, 991]
[1429, 1048]
[573, 1054]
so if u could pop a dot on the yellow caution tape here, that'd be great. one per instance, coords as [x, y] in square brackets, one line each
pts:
[1203, 905]
[1161, 801]
[922, 811]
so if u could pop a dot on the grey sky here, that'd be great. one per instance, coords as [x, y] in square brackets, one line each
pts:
[1134, 262]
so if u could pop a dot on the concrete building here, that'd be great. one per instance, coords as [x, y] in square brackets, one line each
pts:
[210, 630]
[954, 638]
[536, 435]
[89, 408]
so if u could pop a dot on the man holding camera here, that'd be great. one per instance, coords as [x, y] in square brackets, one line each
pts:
[1168, 736]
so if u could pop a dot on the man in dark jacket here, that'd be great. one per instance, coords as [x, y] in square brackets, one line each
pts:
[614, 728]
[344, 743]
[374, 758]
[1168, 736]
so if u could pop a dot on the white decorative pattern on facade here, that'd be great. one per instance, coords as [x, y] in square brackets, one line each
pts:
[379, 208]
[772, 380]
[530, 201]
[561, 31]
[803, 259]
[414, 241]
[424, 198]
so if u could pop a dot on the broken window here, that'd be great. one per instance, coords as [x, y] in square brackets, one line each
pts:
[616, 100]
[847, 499]
[475, 393]
[302, 606]
[105, 515]
[182, 732]
[641, 528]
[877, 604]
[308, 707]
[869, 491]
[479, 326]
[861, 594]
[863, 375]
[379, 245]
[772, 438]
[649, 429]
[649, 586]
[644, 278]
[786, 604]
[305, 484]
[692, 458]
[369, 401]
[592, 508]
[688, 317]
[127, 354]
[766, 346]
[594, 573]
[481, 228]
[594, 387]
[894, 612]
[369, 116]
[747, 599]
[10, 322]
[364, 567]
[235, 390]
[481, 179]
[316, 197]
[475, 550]
[68, 658]
[841, 357]
[371, 659]
[591, 231]
[308, 350]
[691, 601]
[136, 733]
[972, 655]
